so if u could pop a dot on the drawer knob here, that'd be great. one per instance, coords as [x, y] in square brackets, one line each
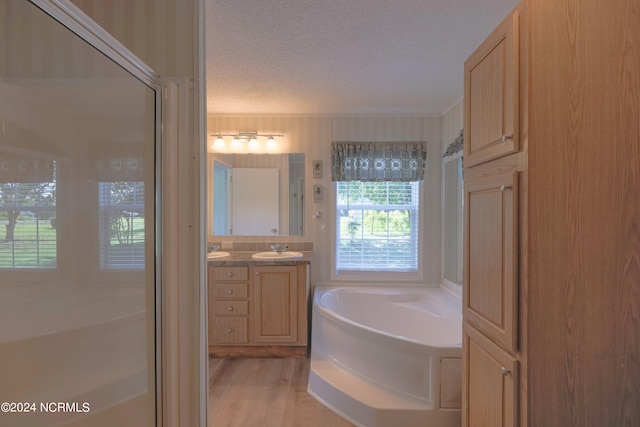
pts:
[229, 330]
[230, 308]
[504, 187]
[229, 291]
[505, 138]
[229, 274]
[504, 371]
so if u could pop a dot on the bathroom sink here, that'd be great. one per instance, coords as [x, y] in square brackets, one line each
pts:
[272, 255]
[220, 254]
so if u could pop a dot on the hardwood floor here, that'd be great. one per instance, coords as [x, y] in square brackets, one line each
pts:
[255, 392]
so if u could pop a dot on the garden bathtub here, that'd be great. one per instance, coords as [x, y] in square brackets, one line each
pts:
[387, 356]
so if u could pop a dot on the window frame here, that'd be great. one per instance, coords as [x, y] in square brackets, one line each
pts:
[376, 276]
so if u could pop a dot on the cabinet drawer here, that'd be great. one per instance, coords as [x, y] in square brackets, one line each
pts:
[227, 330]
[230, 290]
[230, 273]
[230, 308]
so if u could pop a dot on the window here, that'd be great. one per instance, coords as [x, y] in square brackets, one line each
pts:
[378, 226]
[28, 237]
[378, 207]
[122, 232]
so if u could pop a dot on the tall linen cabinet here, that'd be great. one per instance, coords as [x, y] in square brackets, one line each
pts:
[551, 298]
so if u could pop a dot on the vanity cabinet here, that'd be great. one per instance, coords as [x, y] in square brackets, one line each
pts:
[257, 305]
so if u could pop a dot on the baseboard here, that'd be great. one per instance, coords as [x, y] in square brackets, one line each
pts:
[289, 352]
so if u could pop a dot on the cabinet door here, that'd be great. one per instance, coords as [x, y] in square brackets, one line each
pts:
[490, 269]
[491, 78]
[490, 383]
[275, 304]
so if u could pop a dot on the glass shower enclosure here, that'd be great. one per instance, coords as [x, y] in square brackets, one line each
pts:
[79, 264]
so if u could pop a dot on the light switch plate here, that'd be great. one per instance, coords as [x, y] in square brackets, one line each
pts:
[318, 193]
[317, 168]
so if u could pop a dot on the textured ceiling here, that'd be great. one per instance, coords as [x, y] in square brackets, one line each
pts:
[342, 57]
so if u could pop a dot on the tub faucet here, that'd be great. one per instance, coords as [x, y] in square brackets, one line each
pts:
[279, 248]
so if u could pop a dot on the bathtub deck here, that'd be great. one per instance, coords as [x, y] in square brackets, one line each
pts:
[265, 392]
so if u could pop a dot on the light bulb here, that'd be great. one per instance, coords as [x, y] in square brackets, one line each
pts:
[235, 144]
[218, 144]
[271, 143]
[254, 144]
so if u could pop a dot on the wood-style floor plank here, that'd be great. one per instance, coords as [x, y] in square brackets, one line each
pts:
[265, 393]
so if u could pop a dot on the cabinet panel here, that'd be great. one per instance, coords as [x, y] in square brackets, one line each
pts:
[450, 383]
[491, 77]
[275, 304]
[490, 297]
[490, 389]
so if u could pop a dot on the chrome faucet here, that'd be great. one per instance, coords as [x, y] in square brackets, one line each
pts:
[279, 248]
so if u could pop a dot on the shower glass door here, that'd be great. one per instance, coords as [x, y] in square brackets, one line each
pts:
[78, 282]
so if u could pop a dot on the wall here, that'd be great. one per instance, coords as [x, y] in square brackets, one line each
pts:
[313, 135]
[160, 32]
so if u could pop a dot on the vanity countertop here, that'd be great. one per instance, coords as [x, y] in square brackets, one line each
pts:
[244, 258]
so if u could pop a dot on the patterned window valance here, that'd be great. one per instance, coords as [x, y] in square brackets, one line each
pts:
[25, 170]
[115, 162]
[455, 148]
[378, 161]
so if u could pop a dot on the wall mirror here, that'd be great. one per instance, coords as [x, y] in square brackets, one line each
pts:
[453, 214]
[256, 194]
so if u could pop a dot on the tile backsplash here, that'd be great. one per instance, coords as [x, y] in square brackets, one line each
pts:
[252, 246]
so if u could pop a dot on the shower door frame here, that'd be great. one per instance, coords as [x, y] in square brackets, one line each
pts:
[71, 17]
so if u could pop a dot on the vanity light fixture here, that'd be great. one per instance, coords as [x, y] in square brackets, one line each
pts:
[245, 142]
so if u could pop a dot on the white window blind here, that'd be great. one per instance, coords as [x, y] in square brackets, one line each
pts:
[377, 226]
[122, 227]
[28, 237]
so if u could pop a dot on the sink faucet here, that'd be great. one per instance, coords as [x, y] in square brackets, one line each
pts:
[279, 248]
